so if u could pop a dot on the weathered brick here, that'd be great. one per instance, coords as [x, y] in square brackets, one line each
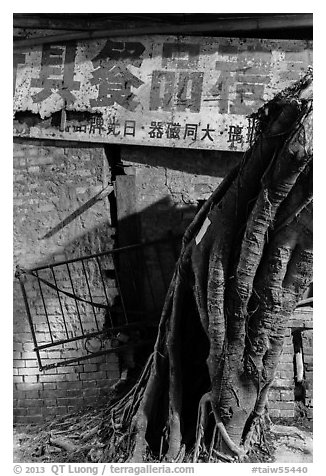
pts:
[28, 371]
[30, 394]
[33, 169]
[32, 419]
[30, 402]
[287, 395]
[287, 413]
[51, 378]
[64, 401]
[61, 410]
[27, 346]
[18, 152]
[23, 387]
[19, 411]
[90, 368]
[49, 402]
[18, 378]
[90, 391]
[289, 405]
[65, 385]
[30, 378]
[285, 366]
[94, 375]
[274, 413]
[72, 392]
[72, 377]
[49, 386]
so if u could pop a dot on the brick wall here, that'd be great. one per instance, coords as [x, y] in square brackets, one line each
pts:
[50, 183]
[307, 345]
[282, 395]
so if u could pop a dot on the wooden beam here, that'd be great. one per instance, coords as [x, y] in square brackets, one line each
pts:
[275, 22]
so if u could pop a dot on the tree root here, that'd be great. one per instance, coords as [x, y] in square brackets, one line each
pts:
[219, 428]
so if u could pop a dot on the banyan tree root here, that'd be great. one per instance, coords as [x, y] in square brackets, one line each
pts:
[245, 263]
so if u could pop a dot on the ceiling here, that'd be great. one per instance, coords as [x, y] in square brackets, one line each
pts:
[38, 28]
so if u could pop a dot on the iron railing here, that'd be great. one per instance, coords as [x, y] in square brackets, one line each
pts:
[90, 305]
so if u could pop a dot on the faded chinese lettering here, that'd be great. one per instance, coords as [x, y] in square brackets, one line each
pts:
[190, 86]
[57, 73]
[19, 58]
[180, 91]
[293, 63]
[243, 74]
[162, 90]
[173, 91]
[113, 77]
[180, 55]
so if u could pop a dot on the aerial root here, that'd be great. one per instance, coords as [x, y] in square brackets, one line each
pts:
[205, 404]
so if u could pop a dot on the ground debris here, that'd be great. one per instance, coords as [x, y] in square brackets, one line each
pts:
[70, 438]
[75, 439]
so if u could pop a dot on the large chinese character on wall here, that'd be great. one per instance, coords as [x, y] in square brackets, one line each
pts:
[163, 91]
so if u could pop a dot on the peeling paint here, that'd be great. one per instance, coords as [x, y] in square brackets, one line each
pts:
[191, 92]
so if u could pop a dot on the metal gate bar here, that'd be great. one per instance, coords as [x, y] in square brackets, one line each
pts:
[120, 319]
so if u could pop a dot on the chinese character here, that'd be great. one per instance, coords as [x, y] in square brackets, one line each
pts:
[191, 131]
[120, 51]
[113, 127]
[188, 90]
[79, 128]
[207, 133]
[252, 130]
[190, 86]
[162, 90]
[112, 76]
[130, 128]
[242, 77]
[57, 73]
[221, 89]
[173, 130]
[235, 135]
[293, 63]
[180, 55]
[156, 130]
[19, 58]
[249, 94]
[96, 123]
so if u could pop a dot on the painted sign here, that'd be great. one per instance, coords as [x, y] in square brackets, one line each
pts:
[190, 92]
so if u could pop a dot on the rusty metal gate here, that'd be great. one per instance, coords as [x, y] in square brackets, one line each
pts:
[92, 305]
